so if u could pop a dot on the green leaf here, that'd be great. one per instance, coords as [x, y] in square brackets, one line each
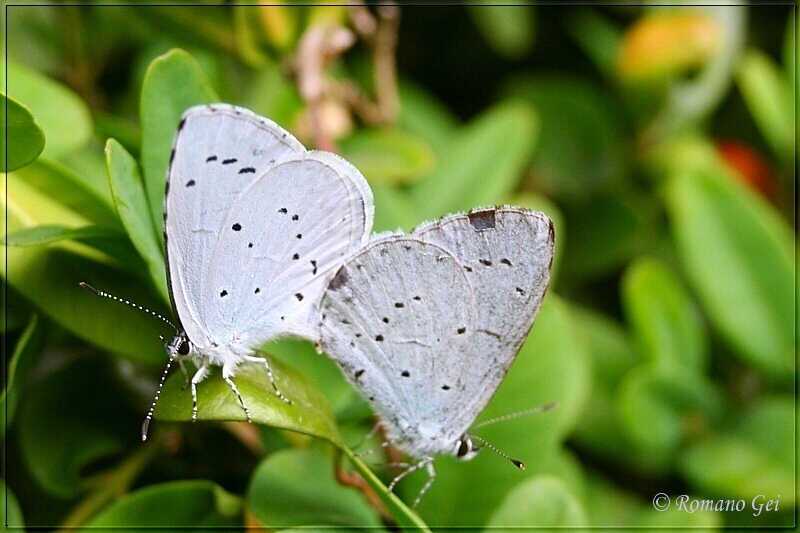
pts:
[309, 412]
[733, 467]
[542, 501]
[598, 36]
[63, 116]
[294, 488]
[509, 29]
[174, 82]
[177, 504]
[20, 365]
[388, 156]
[664, 318]
[737, 253]
[768, 94]
[425, 116]
[48, 277]
[552, 366]
[129, 197]
[105, 240]
[72, 190]
[605, 232]
[580, 150]
[483, 164]
[25, 139]
[69, 420]
[659, 409]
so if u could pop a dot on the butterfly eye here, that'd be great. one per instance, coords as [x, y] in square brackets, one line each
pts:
[464, 446]
[183, 348]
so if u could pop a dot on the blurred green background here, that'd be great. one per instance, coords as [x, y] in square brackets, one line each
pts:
[661, 140]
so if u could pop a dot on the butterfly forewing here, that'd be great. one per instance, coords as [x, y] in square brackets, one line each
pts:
[507, 255]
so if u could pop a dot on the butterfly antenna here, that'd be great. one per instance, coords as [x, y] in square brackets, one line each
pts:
[104, 294]
[149, 417]
[512, 416]
[483, 442]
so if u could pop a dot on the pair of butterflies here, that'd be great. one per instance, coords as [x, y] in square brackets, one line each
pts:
[265, 239]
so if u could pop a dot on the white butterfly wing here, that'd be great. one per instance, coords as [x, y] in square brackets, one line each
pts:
[399, 318]
[507, 253]
[233, 169]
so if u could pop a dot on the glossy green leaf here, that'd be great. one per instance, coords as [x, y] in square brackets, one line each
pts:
[309, 412]
[580, 149]
[509, 29]
[389, 157]
[737, 253]
[70, 419]
[658, 409]
[394, 209]
[294, 488]
[664, 318]
[63, 116]
[20, 364]
[174, 82]
[542, 501]
[129, 197]
[185, 504]
[25, 139]
[552, 366]
[108, 241]
[483, 164]
[48, 277]
[72, 190]
[768, 95]
[769, 423]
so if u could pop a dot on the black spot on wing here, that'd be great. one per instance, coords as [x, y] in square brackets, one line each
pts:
[399, 305]
[485, 262]
[190, 183]
[482, 220]
[385, 320]
[505, 261]
[299, 296]
[181, 123]
[295, 217]
[258, 289]
[405, 373]
[461, 331]
[247, 170]
[282, 210]
[339, 280]
[172, 156]
[229, 161]
[236, 227]
[445, 387]
[223, 294]
[379, 338]
[211, 158]
[314, 267]
[295, 257]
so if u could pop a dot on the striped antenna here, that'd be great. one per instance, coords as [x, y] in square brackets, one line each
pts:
[104, 294]
[517, 463]
[173, 354]
[512, 416]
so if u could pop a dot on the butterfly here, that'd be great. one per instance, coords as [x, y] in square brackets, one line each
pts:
[426, 325]
[255, 227]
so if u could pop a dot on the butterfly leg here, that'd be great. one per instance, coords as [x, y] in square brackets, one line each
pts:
[199, 376]
[252, 359]
[185, 374]
[365, 439]
[425, 462]
[227, 372]
[431, 477]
